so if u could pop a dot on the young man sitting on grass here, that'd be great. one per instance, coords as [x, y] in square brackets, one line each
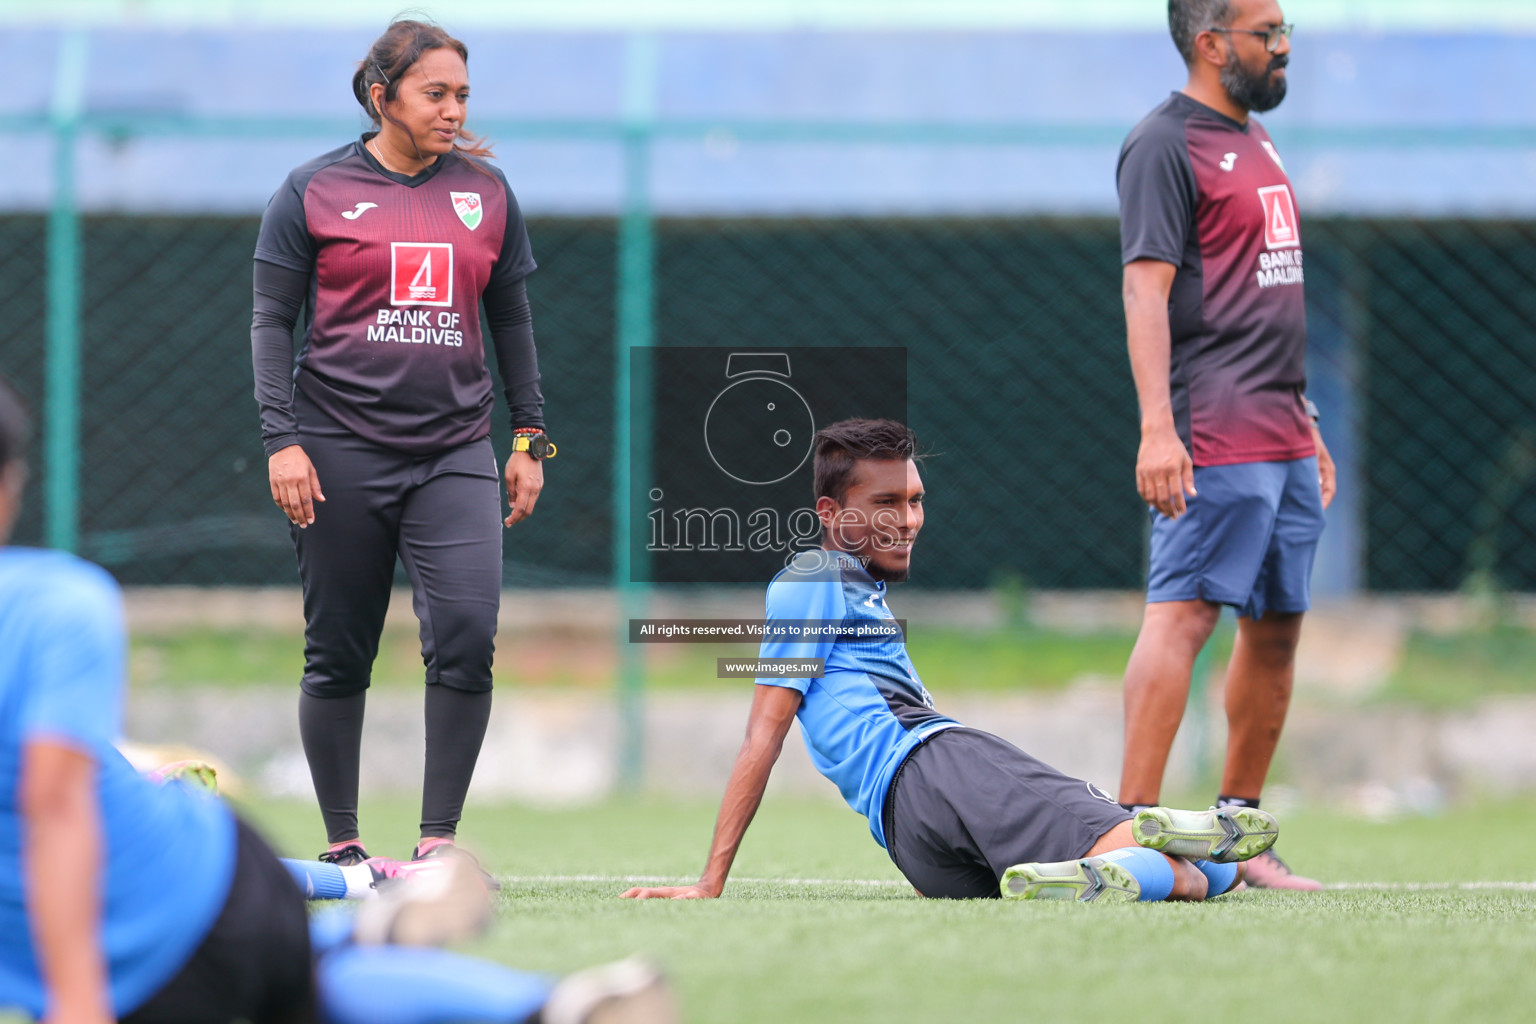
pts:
[961, 812]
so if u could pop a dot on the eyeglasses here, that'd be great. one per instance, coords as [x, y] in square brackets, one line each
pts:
[1272, 35]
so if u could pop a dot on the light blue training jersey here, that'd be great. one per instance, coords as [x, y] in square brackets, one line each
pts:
[168, 853]
[869, 710]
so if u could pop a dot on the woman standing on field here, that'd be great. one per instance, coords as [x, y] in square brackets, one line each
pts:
[377, 434]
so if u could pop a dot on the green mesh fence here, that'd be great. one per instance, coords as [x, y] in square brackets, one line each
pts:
[23, 312]
[1448, 391]
[1422, 345]
[1018, 383]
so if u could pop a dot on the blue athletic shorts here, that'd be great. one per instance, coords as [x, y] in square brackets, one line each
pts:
[1247, 539]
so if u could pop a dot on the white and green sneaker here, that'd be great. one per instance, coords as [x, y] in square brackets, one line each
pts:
[1221, 834]
[1087, 880]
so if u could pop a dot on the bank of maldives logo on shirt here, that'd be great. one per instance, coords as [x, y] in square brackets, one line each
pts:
[421, 274]
[1280, 228]
[467, 206]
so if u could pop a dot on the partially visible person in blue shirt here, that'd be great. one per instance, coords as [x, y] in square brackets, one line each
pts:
[61, 676]
[67, 796]
[125, 900]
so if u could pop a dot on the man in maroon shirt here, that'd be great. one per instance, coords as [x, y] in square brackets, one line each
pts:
[1231, 462]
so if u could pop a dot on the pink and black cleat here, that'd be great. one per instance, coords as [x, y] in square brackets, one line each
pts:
[388, 870]
[1268, 871]
[344, 855]
[436, 847]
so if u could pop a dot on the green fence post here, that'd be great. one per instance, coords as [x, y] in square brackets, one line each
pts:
[631, 423]
[61, 409]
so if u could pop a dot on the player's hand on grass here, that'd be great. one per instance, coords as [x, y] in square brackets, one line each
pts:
[525, 479]
[1164, 472]
[671, 892]
[1327, 479]
[295, 484]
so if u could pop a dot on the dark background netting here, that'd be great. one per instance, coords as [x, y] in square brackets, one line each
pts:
[23, 330]
[1017, 381]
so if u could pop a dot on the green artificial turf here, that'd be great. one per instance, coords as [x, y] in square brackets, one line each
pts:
[793, 943]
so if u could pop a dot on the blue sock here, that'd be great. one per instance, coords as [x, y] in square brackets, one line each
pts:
[317, 880]
[405, 985]
[1149, 867]
[1218, 877]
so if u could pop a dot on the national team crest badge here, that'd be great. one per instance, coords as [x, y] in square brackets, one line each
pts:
[467, 206]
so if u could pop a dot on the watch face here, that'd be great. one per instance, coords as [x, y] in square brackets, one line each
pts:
[759, 430]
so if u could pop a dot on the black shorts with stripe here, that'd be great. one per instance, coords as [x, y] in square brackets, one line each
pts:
[966, 805]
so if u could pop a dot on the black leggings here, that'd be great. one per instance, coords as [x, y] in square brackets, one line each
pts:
[441, 515]
[253, 965]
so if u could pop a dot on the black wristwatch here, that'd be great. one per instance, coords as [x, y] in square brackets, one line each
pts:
[538, 445]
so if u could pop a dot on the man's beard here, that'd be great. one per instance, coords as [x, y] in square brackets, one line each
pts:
[888, 575]
[1251, 91]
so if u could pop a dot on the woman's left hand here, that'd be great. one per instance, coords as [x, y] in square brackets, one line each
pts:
[525, 479]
